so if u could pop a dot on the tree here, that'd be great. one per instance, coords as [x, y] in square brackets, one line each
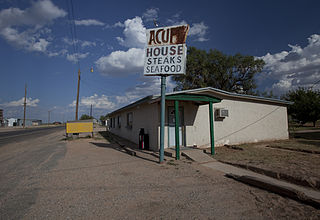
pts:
[103, 119]
[306, 105]
[85, 117]
[215, 69]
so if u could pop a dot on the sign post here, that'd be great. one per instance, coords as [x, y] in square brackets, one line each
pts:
[165, 54]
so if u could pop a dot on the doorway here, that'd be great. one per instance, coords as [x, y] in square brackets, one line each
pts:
[171, 127]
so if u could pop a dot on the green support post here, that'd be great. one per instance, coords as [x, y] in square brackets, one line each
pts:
[176, 115]
[211, 127]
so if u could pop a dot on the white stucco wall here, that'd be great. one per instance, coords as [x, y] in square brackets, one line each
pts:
[247, 122]
[144, 116]
[198, 126]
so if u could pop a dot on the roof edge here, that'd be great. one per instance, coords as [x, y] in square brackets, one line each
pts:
[155, 98]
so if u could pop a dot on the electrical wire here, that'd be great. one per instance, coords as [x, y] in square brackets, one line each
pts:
[73, 30]
[315, 84]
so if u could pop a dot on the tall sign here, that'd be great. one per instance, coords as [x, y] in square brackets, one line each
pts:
[165, 54]
[166, 51]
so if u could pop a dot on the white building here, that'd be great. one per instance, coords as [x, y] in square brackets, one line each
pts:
[236, 118]
[13, 122]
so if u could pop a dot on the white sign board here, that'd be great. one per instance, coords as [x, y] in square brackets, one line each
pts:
[166, 51]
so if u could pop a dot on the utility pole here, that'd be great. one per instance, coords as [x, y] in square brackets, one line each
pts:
[91, 111]
[77, 104]
[24, 105]
[49, 116]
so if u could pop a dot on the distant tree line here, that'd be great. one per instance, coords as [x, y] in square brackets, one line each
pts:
[306, 105]
[86, 117]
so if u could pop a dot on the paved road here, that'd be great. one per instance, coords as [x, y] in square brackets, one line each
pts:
[23, 157]
[7, 137]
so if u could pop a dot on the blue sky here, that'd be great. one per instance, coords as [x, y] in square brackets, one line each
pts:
[36, 48]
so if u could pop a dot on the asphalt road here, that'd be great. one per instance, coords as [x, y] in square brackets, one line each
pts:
[7, 137]
[25, 155]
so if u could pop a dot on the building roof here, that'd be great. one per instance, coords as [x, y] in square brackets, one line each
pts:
[208, 91]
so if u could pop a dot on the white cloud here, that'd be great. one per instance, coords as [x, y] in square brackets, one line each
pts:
[39, 14]
[68, 40]
[83, 43]
[298, 67]
[198, 30]
[87, 43]
[100, 102]
[150, 14]
[122, 62]
[76, 56]
[32, 20]
[147, 86]
[134, 32]
[126, 62]
[26, 40]
[89, 22]
[118, 24]
[30, 102]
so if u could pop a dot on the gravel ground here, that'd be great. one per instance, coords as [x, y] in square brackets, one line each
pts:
[95, 179]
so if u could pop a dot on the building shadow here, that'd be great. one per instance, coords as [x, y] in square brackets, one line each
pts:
[308, 135]
[148, 156]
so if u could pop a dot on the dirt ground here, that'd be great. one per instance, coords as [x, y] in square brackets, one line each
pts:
[96, 179]
[297, 164]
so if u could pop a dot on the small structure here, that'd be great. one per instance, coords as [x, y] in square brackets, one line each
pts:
[207, 117]
[36, 122]
[13, 122]
[79, 126]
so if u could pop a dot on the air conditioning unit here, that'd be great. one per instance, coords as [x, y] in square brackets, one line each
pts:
[222, 113]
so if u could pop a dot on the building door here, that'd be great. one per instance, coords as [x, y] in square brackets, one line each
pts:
[171, 127]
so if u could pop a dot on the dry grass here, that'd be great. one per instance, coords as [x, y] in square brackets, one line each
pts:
[298, 143]
[293, 163]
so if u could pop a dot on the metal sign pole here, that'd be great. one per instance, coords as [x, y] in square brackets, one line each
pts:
[162, 117]
[165, 54]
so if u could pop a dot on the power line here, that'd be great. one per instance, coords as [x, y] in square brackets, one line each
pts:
[314, 84]
[75, 48]
[73, 30]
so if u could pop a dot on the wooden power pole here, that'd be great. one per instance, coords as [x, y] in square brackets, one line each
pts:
[49, 116]
[24, 105]
[77, 104]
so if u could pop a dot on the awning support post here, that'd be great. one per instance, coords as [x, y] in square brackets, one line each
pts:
[211, 127]
[177, 138]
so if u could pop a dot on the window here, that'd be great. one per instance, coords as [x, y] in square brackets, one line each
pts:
[112, 123]
[119, 121]
[129, 120]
